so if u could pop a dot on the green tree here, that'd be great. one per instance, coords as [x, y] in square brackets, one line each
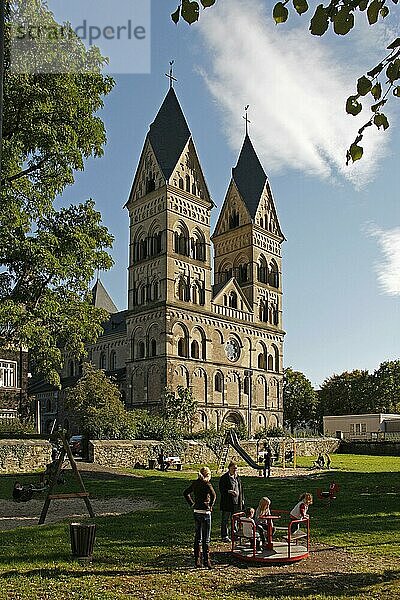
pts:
[346, 394]
[180, 407]
[49, 255]
[299, 399]
[386, 387]
[380, 83]
[95, 402]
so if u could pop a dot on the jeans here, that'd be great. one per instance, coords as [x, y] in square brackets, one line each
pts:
[202, 529]
[226, 521]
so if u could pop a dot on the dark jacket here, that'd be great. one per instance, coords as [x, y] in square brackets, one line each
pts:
[228, 502]
[200, 495]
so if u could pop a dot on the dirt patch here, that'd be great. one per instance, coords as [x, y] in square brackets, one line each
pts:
[14, 514]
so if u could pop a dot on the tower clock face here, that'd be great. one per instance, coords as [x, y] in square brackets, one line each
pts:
[232, 349]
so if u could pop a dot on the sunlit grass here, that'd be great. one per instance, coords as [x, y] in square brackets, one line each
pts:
[147, 554]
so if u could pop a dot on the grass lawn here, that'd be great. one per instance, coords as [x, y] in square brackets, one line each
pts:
[147, 554]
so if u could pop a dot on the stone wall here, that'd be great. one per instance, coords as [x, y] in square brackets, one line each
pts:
[126, 453]
[24, 456]
[374, 448]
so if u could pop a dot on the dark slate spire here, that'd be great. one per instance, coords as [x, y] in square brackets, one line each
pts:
[169, 134]
[249, 176]
[101, 298]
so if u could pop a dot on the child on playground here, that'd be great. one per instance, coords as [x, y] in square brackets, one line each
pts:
[300, 510]
[250, 515]
[263, 510]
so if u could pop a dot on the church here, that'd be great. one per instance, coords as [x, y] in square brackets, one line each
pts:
[203, 318]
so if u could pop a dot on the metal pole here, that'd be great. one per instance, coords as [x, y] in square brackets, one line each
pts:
[2, 21]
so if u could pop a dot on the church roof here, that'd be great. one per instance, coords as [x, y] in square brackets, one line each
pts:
[169, 134]
[101, 298]
[249, 176]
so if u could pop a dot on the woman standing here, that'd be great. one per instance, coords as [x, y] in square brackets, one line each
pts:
[200, 495]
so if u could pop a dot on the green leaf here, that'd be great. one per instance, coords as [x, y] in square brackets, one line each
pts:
[396, 91]
[373, 72]
[380, 120]
[280, 13]
[378, 105]
[393, 70]
[353, 107]
[343, 22]
[394, 44]
[364, 85]
[356, 152]
[301, 6]
[207, 3]
[373, 11]
[376, 91]
[175, 15]
[319, 22]
[190, 11]
[384, 12]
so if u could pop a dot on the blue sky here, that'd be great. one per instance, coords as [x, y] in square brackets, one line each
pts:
[341, 261]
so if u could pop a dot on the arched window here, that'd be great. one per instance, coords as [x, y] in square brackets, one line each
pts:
[218, 382]
[187, 183]
[261, 222]
[182, 347]
[142, 295]
[180, 183]
[194, 190]
[150, 183]
[155, 290]
[194, 349]
[141, 349]
[113, 360]
[233, 300]
[233, 219]
[263, 311]
[183, 292]
[153, 347]
[225, 299]
[273, 275]
[102, 361]
[195, 294]
[242, 273]
[262, 363]
[270, 363]
[262, 270]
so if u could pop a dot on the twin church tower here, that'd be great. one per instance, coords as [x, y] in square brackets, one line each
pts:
[216, 329]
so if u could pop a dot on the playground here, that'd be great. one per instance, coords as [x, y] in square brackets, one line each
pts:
[143, 547]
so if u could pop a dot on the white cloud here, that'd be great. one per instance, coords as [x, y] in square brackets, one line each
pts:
[388, 269]
[296, 88]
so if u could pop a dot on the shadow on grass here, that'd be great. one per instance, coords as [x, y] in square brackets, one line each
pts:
[335, 584]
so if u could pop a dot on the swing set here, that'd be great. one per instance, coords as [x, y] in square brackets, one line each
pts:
[52, 477]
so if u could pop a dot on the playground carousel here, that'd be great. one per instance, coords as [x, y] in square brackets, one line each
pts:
[287, 541]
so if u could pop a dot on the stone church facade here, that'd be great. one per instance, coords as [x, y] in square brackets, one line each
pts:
[219, 335]
[211, 322]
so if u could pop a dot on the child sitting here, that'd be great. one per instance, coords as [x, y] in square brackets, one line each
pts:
[259, 533]
[263, 510]
[300, 510]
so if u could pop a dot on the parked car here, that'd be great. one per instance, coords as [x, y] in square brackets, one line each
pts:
[76, 445]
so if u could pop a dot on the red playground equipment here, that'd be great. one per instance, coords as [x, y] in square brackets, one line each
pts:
[330, 494]
[292, 547]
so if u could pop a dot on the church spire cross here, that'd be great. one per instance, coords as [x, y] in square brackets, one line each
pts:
[171, 76]
[246, 108]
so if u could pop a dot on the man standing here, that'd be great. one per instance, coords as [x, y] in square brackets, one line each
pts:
[267, 460]
[232, 500]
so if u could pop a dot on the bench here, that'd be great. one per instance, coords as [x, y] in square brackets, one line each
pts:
[173, 461]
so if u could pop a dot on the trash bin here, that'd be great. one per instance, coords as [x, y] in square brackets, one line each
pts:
[82, 539]
[152, 463]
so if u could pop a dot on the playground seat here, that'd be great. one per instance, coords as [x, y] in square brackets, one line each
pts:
[330, 494]
[247, 532]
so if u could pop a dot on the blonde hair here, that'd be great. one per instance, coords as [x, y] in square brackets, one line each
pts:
[205, 474]
[263, 505]
[307, 497]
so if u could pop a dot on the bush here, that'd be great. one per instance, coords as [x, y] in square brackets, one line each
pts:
[270, 432]
[150, 426]
[15, 426]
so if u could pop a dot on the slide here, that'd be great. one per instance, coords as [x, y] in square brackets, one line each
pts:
[231, 438]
